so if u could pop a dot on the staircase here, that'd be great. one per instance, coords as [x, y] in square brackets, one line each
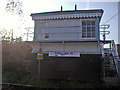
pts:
[111, 66]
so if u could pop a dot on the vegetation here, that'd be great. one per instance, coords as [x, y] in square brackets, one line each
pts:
[14, 6]
[16, 65]
[8, 36]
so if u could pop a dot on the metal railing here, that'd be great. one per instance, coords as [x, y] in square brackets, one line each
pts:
[115, 55]
[116, 58]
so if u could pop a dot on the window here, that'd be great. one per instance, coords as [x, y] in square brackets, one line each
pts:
[46, 35]
[88, 29]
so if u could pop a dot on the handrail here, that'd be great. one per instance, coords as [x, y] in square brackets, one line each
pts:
[115, 52]
[105, 32]
[116, 58]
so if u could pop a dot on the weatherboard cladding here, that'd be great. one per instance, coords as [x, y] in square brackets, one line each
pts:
[67, 14]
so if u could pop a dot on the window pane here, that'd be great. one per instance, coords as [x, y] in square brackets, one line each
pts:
[93, 28]
[83, 29]
[93, 31]
[83, 35]
[93, 35]
[88, 35]
[46, 35]
[83, 23]
[93, 22]
[88, 29]
[88, 22]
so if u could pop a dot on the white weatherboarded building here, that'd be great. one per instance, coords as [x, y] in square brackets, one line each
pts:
[76, 30]
[70, 42]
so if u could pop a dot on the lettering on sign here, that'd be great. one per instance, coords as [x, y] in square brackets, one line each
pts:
[65, 54]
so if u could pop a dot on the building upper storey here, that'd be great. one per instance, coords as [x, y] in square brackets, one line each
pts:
[74, 25]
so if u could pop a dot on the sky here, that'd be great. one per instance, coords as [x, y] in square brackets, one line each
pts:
[18, 24]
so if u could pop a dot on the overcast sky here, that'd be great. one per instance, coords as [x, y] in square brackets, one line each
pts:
[13, 21]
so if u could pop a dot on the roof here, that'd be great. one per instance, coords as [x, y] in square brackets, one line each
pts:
[68, 12]
[74, 13]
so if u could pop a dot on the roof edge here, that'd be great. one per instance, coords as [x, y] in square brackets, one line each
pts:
[68, 12]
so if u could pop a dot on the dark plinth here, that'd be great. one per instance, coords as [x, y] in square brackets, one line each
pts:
[85, 68]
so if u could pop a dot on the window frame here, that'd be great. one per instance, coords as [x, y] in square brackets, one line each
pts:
[89, 25]
[47, 36]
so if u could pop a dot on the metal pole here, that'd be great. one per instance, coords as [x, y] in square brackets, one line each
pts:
[104, 34]
[38, 69]
[12, 36]
[119, 69]
[27, 34]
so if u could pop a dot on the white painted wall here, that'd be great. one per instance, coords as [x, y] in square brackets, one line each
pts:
[63, 30]
[79, 47]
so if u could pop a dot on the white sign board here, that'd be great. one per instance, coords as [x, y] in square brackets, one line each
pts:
[64, 54]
